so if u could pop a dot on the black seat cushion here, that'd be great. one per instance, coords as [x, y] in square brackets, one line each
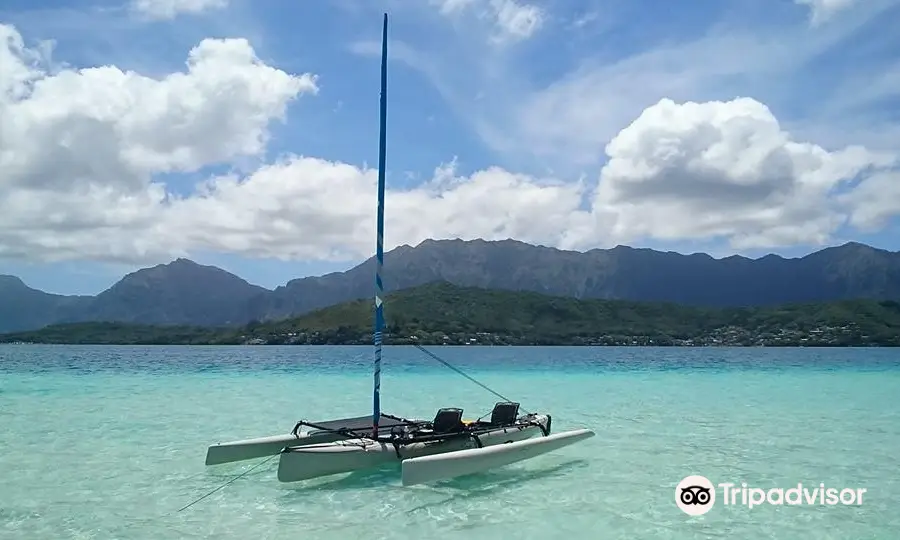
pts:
[505, 412]
[447, 420]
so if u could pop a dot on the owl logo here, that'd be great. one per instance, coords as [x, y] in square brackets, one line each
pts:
[695, 495]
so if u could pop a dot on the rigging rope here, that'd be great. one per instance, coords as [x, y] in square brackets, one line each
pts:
[243, 474]
[441, 360]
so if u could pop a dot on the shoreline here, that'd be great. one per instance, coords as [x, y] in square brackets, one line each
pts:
[456, 345]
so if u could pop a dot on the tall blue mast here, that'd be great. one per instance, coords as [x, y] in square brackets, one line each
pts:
[379, 245]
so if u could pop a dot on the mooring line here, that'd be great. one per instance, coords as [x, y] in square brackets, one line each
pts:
[441, 360]
[230, 481]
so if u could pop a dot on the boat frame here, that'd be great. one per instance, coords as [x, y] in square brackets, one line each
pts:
[448, 432]
[448, 424]
[314, 433]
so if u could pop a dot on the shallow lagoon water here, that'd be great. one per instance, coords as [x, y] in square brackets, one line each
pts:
[109, 442]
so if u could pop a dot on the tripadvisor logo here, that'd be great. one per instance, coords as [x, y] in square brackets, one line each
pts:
[695, 495]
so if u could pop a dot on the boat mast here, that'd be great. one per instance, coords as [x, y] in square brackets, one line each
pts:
[379, 243]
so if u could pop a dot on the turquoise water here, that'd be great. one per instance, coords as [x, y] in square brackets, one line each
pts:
[109, 442]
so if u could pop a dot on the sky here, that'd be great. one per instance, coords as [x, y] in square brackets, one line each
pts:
[244, 133]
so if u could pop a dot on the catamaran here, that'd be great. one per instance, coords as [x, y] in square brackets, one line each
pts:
[428, 450]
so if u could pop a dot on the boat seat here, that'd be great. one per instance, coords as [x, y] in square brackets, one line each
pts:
[448, 420]
[504, 413]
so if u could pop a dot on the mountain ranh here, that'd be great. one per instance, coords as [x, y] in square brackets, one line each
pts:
[429, 450]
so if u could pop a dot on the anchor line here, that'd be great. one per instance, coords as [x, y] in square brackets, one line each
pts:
[232, 480]
[459, 371]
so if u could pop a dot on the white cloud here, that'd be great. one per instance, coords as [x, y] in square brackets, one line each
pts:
[678, 172]
[572, 118]
[874, 201]
[562, 123]
[219, 108]
[307, 207]
[568, 120]
[517, 21]
[81, 151]
[822, 10]
[169, 9]
[512, 20]
[78, 148]
[724, 170]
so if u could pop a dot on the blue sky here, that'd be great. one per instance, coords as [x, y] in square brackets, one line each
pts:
[467, 89]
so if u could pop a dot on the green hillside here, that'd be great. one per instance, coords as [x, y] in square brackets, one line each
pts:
[444, 313]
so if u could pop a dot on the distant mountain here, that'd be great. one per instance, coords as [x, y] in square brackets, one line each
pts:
[24, 308]
[845, 272]
[181, 292]
[185, 293]
[444, 314]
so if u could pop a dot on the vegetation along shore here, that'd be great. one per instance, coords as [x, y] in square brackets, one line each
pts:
[441, 313]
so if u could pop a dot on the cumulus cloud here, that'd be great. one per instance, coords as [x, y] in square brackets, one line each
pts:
[875, 201]
[575, 115]
[82, 152]
[724, 170]
[564, 122]
[169, 9]
[79, 148]
[311, 208]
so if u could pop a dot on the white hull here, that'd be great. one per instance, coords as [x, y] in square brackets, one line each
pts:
[431, 468]
[258, 447]
[263, 446]
[313, 461]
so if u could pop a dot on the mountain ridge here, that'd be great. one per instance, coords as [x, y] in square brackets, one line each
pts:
[441, 313]
[185, 292]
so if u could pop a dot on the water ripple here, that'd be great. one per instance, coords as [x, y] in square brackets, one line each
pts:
[108, 442]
